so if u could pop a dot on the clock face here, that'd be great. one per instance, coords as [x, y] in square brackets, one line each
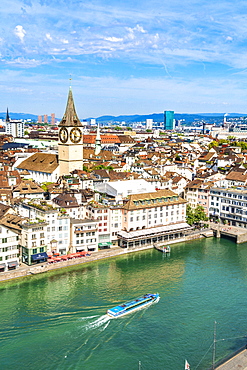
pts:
[75, 135]
[63, 135]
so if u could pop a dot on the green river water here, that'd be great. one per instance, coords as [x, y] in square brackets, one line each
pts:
[57, 320]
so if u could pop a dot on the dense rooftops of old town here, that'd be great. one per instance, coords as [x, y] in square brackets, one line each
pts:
[121, 181]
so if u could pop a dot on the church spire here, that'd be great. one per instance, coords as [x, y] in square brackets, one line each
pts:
[7, 116]
[70, 118]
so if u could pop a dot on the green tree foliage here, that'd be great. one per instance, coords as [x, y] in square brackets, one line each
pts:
[213, 143]
[44, 186]
[196, 215]
[102, 167]
[189, 215]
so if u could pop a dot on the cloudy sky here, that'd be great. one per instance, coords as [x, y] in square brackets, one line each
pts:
[124, 57]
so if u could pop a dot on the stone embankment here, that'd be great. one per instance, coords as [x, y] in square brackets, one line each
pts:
[238, 234]
[25, 270]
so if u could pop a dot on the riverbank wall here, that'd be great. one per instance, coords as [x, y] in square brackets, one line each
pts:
[24, 270]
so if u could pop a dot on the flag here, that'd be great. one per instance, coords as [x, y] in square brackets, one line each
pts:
[187, 365]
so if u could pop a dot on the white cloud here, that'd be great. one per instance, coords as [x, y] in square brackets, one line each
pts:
[20, 32]
[48, 37]
[24, 63]
[113, 39]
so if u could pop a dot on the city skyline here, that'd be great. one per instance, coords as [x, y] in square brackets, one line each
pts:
[132, 58]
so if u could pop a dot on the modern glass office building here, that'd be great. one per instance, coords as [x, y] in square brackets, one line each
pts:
[168, 120]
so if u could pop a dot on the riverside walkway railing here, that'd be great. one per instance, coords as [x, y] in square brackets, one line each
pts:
[225, 360]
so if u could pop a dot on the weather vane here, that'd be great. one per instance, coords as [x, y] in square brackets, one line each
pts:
[70, 78]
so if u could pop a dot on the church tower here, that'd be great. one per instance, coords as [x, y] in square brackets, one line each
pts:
[97, 142]
[70, 144]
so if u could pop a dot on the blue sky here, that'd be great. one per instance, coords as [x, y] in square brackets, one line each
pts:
[129, 57]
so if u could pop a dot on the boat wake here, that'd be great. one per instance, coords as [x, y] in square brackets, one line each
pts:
[157, 300]
[100, 323]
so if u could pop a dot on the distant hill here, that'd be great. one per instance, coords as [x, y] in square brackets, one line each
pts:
[12, 115]
[157, 117]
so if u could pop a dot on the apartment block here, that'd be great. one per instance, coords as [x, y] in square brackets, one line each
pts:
[229, 206]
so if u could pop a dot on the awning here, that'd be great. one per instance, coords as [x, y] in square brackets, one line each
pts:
[79, 249]
[2, 265]
[39, 256]
[12, 264]
[106, 244]
[154, 231]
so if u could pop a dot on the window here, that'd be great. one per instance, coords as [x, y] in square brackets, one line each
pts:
[41, 249]
[33, 236]
[34, 250]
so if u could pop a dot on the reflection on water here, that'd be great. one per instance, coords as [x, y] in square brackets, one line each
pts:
[59, 321]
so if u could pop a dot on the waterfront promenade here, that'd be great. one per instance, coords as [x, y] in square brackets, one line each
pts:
[237, 362]
[238, 234]
[25, 270]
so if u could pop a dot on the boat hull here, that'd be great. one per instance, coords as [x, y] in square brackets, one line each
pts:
[117, 312]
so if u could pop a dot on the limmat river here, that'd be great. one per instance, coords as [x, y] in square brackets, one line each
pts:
[58, 321]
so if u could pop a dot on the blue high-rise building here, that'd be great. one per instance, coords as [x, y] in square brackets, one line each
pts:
[169, 120]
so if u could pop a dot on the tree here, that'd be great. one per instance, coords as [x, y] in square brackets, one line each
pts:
[196, 215]
[189, 215]
[212, 144]
[200, 214]
[102, 167]
[231, 138]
